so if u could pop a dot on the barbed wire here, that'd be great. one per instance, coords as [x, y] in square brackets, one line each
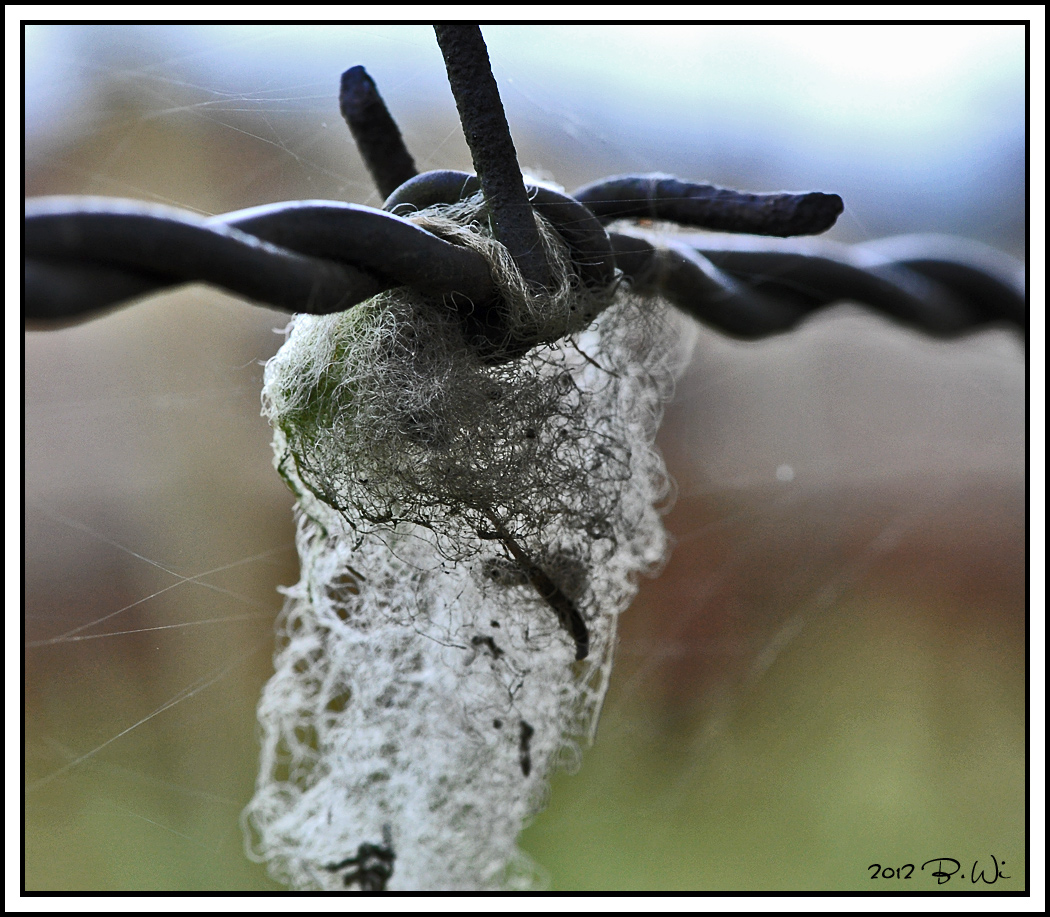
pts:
[83, 255]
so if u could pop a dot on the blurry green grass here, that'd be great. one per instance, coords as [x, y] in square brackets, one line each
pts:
[875, 736]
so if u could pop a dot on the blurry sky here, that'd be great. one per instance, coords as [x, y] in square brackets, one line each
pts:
[912, 124]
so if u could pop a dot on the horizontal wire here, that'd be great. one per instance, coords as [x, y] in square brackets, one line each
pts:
[170, 246]
[814, 281]
[993, 284]
[86, 254]
[940, 285]
[691, 283]
[383, 244]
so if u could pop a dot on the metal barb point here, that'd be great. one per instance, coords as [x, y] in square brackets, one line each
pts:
[664, 197]
[491, 147]
[374, 130]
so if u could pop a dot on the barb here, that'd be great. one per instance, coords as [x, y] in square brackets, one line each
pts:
[440, 186]
[374, 130]
[664, 197]
[491, 147]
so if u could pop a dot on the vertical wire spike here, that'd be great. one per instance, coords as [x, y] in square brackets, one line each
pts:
[491, 146]
[374, 130]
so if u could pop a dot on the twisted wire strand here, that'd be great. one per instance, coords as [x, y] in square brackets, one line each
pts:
[87, 254]
[993, 284]
[941, 285]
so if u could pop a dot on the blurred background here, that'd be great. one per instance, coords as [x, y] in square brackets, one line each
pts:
[829, 674]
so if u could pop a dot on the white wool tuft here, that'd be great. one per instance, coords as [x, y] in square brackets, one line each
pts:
[424, 690]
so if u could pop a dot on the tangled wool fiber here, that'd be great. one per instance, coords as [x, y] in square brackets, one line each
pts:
[454, 514]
